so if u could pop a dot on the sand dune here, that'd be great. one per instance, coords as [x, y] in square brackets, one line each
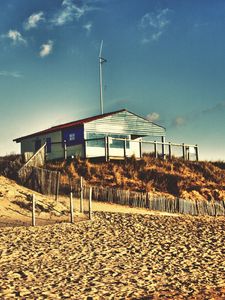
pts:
[115, 256]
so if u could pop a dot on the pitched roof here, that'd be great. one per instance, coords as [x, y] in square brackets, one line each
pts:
[66, 125]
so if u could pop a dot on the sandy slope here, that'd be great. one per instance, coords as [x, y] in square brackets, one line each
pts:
[114, 256]
[15, 206]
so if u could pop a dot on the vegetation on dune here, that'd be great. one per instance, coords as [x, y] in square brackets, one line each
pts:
[10, 164]
[175, 177]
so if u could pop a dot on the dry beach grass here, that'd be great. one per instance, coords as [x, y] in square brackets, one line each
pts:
[115, 256]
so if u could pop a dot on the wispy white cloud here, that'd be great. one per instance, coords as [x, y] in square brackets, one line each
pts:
[15, 36]
[46, 49]
[154, 24]
[13, 74]
[34, 20]
[179, 121]
[88, 27]
[184, 120]
[218, 107]
[152, 117]
[70, 12]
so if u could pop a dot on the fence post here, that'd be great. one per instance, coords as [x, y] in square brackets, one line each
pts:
[71, 208]
[196, 152]
[65, 150]
[90, 203]
[81, 194]
[33, 210]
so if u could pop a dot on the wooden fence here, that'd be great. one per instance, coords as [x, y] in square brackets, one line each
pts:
[146, 200]
[40, 180]
[48, 182]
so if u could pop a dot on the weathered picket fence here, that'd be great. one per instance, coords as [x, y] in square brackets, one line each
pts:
[154, 202]
[40, 180]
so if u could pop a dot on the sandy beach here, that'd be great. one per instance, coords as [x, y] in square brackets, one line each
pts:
[115, 256]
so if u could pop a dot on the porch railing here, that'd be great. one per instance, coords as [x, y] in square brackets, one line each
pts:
[117, 147]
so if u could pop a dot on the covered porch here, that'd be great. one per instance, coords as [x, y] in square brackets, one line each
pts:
[119, 148]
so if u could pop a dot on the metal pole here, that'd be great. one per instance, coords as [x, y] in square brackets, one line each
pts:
[101, 61]
[100, 79]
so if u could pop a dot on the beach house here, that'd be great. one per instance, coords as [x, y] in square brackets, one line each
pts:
[111, 135]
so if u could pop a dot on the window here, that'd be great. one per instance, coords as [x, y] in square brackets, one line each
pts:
[37, 145]
[95, 139]
[48, 145]
[115, 140]
[72, 136]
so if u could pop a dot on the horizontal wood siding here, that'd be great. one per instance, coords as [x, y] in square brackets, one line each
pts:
[124, 123]
[28, 144]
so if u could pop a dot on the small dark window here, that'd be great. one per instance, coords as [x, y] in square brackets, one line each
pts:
[37, 145]
[48, 145]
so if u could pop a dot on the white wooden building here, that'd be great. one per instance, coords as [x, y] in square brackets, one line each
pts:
[111, 135]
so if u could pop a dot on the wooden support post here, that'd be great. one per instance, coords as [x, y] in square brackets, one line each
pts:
[90, 203]
[106, 148]
[155, 149]
[140, 148]
[81, 194]
[163, 147]
[124, 148]
[183, 151]
[33, 210]
[65, 150]
[71, 208]
[45, 152]
[188, 153]
[57, 187]
[170, 150]
[196, 152]
[85, 151]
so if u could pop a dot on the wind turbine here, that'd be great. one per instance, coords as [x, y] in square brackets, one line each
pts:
[101, 62]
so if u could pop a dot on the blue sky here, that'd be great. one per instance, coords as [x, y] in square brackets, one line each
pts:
[165, 61]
